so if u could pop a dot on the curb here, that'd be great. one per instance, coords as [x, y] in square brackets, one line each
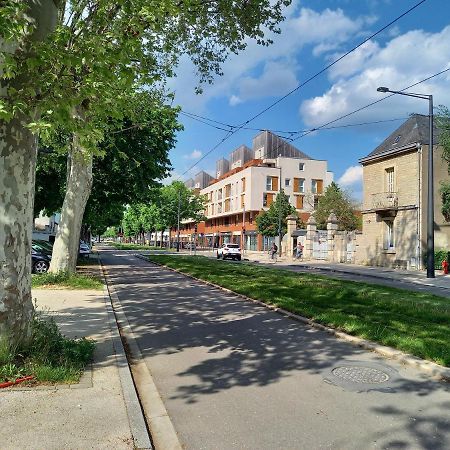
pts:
[433, 369]
[138, 427]
[162, 431]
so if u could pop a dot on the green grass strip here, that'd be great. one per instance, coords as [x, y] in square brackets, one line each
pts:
[136, 247]
[66, 280]
[414, 322]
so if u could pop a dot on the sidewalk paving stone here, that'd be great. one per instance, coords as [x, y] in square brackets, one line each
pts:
[91, 414]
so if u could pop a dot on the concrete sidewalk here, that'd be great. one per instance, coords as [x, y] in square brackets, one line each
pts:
[92, 414]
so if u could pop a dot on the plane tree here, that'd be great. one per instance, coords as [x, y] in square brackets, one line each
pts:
[73, 66]
[133, 158]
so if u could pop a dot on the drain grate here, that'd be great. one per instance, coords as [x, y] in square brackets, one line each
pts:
[360, 374]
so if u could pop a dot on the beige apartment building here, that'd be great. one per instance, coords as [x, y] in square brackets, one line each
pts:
[395, 198]
[248, 183]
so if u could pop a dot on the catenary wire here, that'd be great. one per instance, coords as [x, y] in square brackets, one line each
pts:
[304, 83]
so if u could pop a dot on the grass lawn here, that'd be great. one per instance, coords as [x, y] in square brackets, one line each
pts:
[136, 247]
[66, 280]
[417, 323]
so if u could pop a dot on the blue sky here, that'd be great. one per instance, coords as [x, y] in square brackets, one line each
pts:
[314, 34]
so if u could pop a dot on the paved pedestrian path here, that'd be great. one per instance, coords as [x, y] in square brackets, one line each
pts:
[89, 415]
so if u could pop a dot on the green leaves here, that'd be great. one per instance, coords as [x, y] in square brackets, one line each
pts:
[268, 222]
[337, 201]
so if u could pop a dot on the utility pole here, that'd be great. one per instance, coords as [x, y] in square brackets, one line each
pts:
[280, 234]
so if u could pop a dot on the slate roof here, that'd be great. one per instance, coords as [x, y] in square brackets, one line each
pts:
[413, 131]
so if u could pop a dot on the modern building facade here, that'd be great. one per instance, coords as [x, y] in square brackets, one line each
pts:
[395, 198]
[254, 178]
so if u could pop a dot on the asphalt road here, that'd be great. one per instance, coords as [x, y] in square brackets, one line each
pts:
[234, 375]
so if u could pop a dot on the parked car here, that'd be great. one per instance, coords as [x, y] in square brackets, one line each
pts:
[41, 248]
[45, 245]
[40, 262]
[232, 251]
[190, 246]
[84, 249]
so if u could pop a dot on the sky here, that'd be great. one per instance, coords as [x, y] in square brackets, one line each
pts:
[314, 34]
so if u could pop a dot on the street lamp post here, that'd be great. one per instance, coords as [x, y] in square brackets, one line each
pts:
[280, 234]
[430, 192]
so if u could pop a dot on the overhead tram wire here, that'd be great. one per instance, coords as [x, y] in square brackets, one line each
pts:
[278, 132]
[367, 106]
[306, 82]
[326, 127]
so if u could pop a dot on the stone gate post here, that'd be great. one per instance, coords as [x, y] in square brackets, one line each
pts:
[332, 227]
[310, 234]
[291, 227]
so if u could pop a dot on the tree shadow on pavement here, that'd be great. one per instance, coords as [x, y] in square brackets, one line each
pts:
[247, 345]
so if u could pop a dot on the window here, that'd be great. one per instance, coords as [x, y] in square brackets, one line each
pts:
[299, 202]
[389, 235]
[317, 186]
[268, 183]
[287, 182]
[390, 179]
[243, 184]
[301, 167]
[267, 199]
[301, 185]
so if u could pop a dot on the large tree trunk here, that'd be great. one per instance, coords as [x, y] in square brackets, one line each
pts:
[79, 185]
[18, 149]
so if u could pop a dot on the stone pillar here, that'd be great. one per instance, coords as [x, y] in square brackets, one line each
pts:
[310, 234]
[291, 227]
[331, 229]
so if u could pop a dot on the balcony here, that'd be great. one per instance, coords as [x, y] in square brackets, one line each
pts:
[384, 201]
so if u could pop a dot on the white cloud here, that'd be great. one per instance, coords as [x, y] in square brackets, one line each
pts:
[195, 154]
[234, 100]
[352, 176]
[276, 79]
[404, 60]
[325, 31]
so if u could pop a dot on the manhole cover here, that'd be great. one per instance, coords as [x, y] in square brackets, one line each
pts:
[359, 374]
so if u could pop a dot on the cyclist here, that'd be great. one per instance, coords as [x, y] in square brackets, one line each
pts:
[273, 251]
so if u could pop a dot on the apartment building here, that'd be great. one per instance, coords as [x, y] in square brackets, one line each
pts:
[248, 183]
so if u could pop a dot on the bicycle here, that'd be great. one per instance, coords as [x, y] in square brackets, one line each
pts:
[273, 255]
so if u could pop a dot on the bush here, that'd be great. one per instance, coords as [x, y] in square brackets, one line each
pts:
[439, 256]
[49, 355]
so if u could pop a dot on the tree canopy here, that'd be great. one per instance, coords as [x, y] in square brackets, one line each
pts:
[268, 221]
[339, 202]
[132, 159]
[177, 197]
[443, 123]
